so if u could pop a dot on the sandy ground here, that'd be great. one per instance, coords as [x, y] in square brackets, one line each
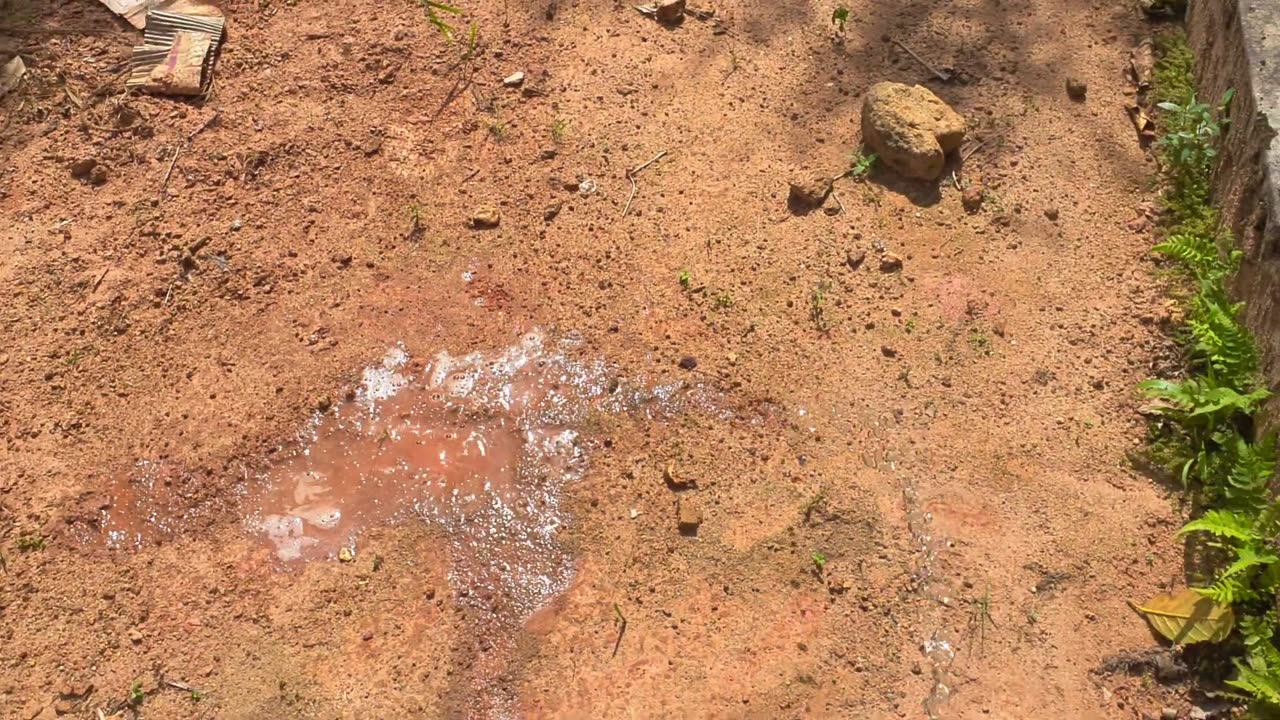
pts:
[952, 437]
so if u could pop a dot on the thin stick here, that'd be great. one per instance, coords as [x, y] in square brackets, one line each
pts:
[941, 76]
[165, 185]
[978, 147]
[837, 197]
[101, 277]
[655, 159]
[202, 127]
[631, 175]
[621, 621]
[190, 136]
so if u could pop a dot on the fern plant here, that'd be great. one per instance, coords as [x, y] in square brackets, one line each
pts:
[1211, 411]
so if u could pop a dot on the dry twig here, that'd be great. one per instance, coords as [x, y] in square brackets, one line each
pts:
[944, 77]
[631, 175]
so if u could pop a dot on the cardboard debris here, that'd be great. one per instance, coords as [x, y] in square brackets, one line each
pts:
[11, 74]
[135, 11]
[177, 54]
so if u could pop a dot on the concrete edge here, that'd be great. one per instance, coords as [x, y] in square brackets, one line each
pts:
[1237, 45]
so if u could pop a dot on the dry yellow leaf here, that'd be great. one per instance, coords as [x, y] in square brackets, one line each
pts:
[1188, 617]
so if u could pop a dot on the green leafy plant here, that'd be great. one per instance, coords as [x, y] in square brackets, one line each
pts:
[819, 562]
[860, 164]
[1189, 142]
[724, 301]
[839, 17]
[136, 695]
[686, 280]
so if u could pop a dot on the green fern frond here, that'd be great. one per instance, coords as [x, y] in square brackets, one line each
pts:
[1198, 253]
[1225, 524]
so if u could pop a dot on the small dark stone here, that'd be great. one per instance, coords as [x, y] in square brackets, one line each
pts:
[688, 362]
[888, 351]
[1076, 89]
[1051, 213]
[669, 11]
[552, 211]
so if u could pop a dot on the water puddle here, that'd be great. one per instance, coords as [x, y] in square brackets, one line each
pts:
[481, 445]
[938, 648]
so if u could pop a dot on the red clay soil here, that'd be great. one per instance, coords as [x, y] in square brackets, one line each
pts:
[926, 458]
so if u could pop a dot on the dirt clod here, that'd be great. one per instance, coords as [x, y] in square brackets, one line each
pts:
[971, 199]
[1076, 89]
[1051, 213]
[910, 128]
[669, 11]
[675, 479]
[808, 190]
[688, 516]
[855, 258]
[552, 211]
[688, 362]
[485, 217]
[890, 263]
[89, 170]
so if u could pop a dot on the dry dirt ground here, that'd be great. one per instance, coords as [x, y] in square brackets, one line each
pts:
[952, 437]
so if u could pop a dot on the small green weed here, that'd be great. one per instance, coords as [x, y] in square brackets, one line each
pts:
[29, 543]
[981, 343]
[498, 129]
[818, 307]
[860, 164]
[839, 17]
[433, 10]
[819, 562]
[559, 130]
[686, 280]
[136, 695]
[910, 325]
[724, 301]
[473, 41]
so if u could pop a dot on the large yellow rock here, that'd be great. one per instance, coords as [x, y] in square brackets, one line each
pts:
[910, 129]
